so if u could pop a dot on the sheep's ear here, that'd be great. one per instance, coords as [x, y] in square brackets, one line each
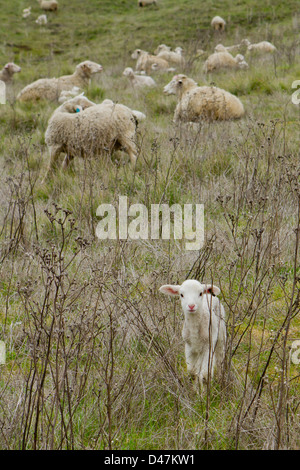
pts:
[169, 289]
[210, 289]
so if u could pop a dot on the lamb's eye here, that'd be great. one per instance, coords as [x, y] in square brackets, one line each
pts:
[181, 295]
[200, 294]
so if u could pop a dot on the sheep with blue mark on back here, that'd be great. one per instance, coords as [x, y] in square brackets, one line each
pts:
[82, 128]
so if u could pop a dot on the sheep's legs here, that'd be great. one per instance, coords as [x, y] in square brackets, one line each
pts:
[54, 154]
[68, 158]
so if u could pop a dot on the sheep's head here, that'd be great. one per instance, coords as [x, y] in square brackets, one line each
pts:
[12, 68]
[75, 105]
[220, 48]
[128, 72]
[137, 53]
[162, 47]
[191, 294]
[179, 50]
[245, 42]
[179, 84]
[89, 68]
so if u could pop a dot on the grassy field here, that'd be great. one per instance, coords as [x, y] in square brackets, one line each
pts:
[94, 354]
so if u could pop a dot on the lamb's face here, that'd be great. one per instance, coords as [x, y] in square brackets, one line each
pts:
[12, 68]
[191, 294]
[89, 68]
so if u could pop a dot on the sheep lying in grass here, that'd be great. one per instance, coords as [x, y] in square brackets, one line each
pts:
[204, 328]
[138, 81]
[218, 24]
[263, 47]
[242, 47]
[48, 5]
[144, 61]
[172, 57]
[8, 71]
[224, 60]
[51, 88]
[205, 102]
[80, 127]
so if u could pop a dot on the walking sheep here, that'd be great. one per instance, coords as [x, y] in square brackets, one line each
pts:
[48, 5]
[204, 328]
[218, 24]
[51, 88]
[145, 3]
[224, 60]
[205, 102]
[80, 127]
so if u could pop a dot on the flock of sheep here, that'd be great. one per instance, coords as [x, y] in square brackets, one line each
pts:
[80, 127]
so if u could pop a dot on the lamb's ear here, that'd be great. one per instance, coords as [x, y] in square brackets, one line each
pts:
[169, 289]
[210, 289]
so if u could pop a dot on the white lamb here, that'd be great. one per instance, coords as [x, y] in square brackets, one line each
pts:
[224, 60]
[138, 81]
[41, 20]
[218, 24]
[205, 102]
[204, 328]
[8, 71]
[80, 127]
[48, 5]
[51, 88]
[144, 61]
[263, 47]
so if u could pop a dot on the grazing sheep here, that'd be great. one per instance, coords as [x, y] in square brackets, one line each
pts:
[26, 12]
[48, 5]
[218, 24]
[171, 57]
[8, 71]
[145, 61]
[205, 102]
[221, 60]
[145, 3]
[41, 20]
[51, 88]
[263, 47]
[204, 328]
[81, 128]
[138, 81]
